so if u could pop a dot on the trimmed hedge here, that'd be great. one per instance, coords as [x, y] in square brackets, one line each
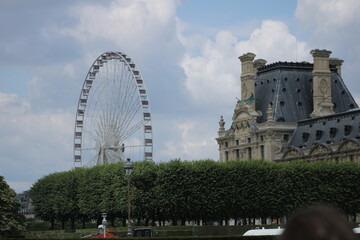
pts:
[180, 191]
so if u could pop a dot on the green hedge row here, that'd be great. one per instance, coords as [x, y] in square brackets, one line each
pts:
[180, 191]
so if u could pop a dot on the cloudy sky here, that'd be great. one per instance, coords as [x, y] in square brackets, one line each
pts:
[187, 52]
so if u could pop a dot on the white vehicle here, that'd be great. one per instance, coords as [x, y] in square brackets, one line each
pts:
[264, 232]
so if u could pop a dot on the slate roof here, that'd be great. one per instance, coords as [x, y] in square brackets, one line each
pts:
[327, 130]
[288, 88]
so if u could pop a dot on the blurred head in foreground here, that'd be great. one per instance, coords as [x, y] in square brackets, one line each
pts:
[318, 223]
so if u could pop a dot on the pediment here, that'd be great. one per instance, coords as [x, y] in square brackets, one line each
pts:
[242, 116]
[244, 111]
[292, 153]
[348, 144]
[319, 148]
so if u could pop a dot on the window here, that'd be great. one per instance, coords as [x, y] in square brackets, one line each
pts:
[333, 132]
[261, 138]
[249, 153]
[337, 160]
[237, 142]
[262, 152]
[351, 158]
[305, 136]
[249, 140]
[226, 144]
[226, 156]
[347, 129]
[237, 154]
[286, 137]
[319, 134]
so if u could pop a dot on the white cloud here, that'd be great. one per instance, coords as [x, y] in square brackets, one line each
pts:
[213, 76]
[32, 144]
[274, 42]
[190, 140]
[327, 15]
[123, 22]
[210, 78]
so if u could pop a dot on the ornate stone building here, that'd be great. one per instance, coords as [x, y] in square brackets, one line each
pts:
[290, 111]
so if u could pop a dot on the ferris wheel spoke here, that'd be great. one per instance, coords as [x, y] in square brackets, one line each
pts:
[88, 149]
[132, 130]
[135, 146]
[113, 156]
[91, 162]
[130, 119]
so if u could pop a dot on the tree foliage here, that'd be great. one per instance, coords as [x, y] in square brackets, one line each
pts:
[10, 219]
[180, 191]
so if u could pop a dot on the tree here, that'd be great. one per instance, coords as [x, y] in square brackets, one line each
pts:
[43, 195]
[10, 219]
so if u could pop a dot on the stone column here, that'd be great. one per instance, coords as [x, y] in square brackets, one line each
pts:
[337, 63]
[321, 84]
[247, 76]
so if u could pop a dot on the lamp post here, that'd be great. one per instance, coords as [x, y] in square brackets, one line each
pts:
[128, 167]
[104, 222]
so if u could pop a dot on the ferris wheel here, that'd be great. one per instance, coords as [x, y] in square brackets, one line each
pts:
[113, 120]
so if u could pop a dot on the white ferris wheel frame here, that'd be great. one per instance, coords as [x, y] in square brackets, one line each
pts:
[82, 104]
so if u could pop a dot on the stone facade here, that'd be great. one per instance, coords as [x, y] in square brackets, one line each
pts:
[280, 101]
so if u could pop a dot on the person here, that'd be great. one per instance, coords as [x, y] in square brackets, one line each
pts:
[318, 223]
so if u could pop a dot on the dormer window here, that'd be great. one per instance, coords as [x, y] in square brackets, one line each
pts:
[305, 136]
[347, 129]
[333, 132]
[286, 137]
[319, 134]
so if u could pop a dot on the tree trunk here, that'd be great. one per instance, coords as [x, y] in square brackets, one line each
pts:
[73, 223]
[183, 222]
[52, 224]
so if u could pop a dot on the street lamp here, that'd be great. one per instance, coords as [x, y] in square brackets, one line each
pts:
[128, 167]
[104, 222]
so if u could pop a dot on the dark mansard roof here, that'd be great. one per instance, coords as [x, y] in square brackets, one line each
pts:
[288, 88]
[330, 129]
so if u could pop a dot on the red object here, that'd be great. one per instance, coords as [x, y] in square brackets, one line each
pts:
[109, 234]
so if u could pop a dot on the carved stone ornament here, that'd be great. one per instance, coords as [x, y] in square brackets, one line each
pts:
[291, 154]
[319, 149]
[349, 145]
[245, 111]
[222, 123]
[323, 86]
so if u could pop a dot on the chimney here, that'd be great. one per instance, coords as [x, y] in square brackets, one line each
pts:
[247, 76]
[321, 84]
[258, 63]
[337, 63]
